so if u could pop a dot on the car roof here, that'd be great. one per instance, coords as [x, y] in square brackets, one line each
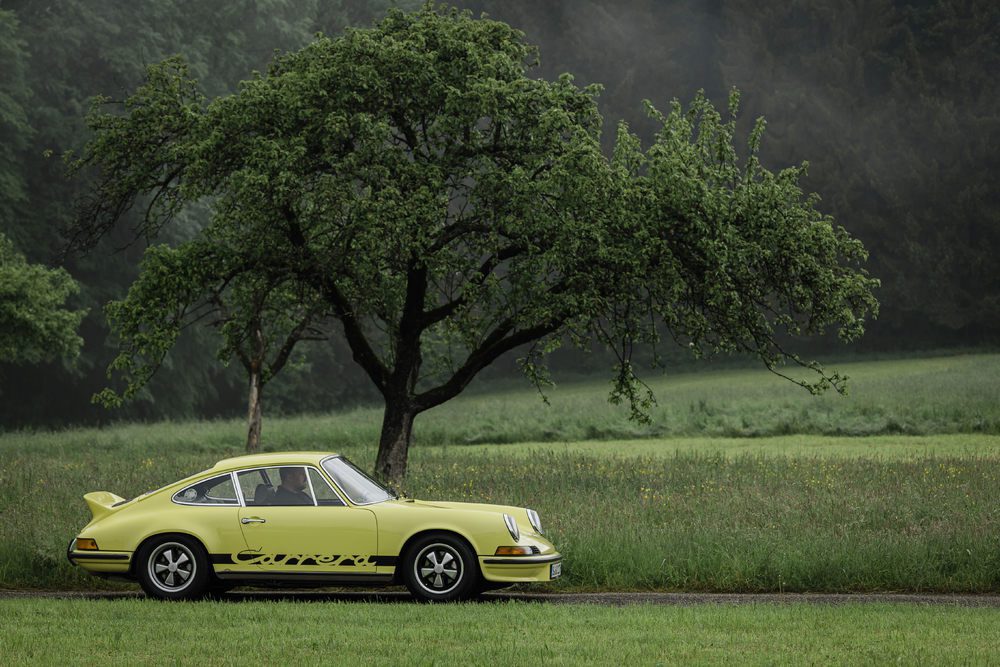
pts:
[271, 459]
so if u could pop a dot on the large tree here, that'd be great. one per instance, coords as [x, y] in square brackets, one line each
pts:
[449, 208]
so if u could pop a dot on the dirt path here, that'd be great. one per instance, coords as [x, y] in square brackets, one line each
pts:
[608, 599]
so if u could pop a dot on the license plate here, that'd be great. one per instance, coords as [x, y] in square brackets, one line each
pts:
[555, 570]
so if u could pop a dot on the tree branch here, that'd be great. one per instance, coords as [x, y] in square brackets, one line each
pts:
[445, 310]
[361, 349]
[297, 334]
[501, 340]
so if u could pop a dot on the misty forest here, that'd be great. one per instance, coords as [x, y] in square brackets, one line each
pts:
[892, 103]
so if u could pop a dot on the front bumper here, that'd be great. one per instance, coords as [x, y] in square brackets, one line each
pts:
[518, 569]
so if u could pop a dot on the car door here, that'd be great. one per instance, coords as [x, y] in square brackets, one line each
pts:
[300, 528]
[209, 510]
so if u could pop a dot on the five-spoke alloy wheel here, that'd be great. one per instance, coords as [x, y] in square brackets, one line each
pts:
[441, 567]
[172, 567]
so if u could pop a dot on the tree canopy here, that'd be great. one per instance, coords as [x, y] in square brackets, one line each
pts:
[449, 208]
[892, 102]
[35, 323]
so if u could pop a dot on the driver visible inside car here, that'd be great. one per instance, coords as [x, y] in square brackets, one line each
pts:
[292, 488]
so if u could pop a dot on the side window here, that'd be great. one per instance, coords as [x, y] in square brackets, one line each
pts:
[215, 491]
[256, 487]
[280, 485]
[324, 494]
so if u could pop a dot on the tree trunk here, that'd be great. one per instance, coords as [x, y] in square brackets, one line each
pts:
[394, 444]
[254, 411]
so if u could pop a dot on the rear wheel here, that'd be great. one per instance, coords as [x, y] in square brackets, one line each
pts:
[173, 567]
[441, 568]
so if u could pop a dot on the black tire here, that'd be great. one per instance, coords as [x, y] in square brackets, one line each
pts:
[173, 567]
[440, 567]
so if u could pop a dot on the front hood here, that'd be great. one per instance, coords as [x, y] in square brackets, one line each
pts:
[481, 507]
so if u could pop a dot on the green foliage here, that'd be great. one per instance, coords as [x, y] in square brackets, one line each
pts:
[449, 208]
[735, 251]
[260, 318]
[55, 57]
[14, 127]
[35, 324]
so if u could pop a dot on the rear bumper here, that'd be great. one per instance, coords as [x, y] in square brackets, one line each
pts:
[518, 569]
[99, 562]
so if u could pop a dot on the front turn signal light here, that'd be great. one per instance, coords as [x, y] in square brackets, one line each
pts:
[513, 551]
[86, 544]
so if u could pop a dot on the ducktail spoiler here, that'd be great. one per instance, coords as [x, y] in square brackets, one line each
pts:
[101, 503]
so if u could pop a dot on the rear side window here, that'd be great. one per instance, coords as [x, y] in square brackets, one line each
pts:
[214, 491]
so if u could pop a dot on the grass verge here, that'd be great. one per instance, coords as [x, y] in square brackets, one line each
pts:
[127, 632]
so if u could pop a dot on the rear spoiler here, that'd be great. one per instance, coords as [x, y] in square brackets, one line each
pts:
[102, 503]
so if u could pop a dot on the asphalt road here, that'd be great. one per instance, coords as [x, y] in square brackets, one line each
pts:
[607, 599]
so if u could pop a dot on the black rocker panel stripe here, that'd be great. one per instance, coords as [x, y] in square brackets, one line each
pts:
[307, 577]
[79, 556]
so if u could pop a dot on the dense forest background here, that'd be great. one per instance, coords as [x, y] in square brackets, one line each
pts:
[894, 103]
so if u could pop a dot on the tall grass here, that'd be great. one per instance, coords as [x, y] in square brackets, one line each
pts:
[682, 522]
[751, 522]
[676, 513]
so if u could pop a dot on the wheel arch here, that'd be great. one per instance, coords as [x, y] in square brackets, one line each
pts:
[412, 539]
[169, 533]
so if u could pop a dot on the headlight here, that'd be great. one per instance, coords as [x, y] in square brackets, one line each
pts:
[512, 527]
[536, 523]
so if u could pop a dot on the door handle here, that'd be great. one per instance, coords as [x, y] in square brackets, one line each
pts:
[252, 519]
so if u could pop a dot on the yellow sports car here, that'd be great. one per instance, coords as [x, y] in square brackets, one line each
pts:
[309, 519]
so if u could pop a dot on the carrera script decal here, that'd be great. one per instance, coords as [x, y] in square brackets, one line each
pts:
[328, 560]
[247, 557]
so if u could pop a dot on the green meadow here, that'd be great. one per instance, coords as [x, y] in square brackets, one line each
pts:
[106, 632]
[743, 482]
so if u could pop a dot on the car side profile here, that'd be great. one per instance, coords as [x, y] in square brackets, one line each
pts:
[307, 519]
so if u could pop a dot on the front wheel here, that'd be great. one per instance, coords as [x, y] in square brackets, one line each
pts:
[173, 567]
[441, 568]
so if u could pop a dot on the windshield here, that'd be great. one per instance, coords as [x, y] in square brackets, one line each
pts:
[359, 487]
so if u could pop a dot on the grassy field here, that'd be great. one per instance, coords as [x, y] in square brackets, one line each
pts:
[796, 512]
[931, 396]
[955, 445]
[301, 633]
